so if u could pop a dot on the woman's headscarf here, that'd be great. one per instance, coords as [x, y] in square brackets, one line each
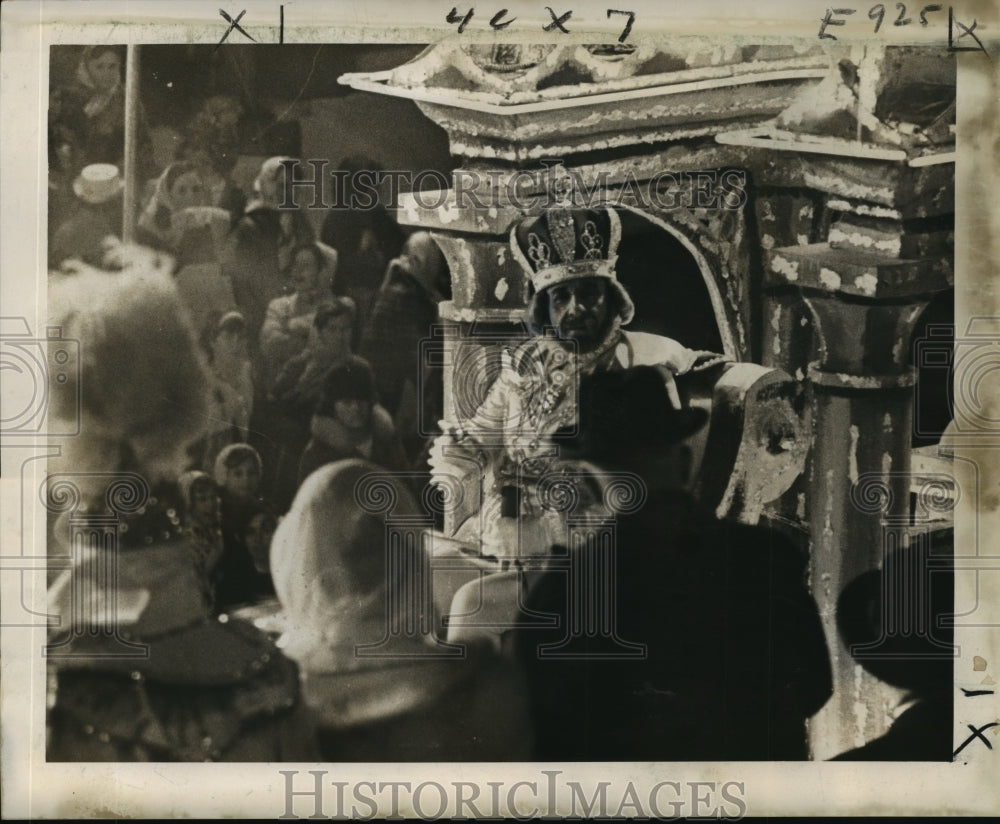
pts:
[235, 454]
[329, 564]
[99, 99]
[330, 570]
[157, 217]
[269, 193]
[268, 186]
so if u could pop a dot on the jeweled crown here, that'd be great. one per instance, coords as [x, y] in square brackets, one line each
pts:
[564, 243]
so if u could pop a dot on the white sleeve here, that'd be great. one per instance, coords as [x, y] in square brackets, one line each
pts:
[657, 350]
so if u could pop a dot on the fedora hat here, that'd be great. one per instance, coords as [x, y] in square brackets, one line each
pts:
[98, 183]
[896, 621]
[625, 418]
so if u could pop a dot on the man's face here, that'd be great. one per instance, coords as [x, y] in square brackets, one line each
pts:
[421, 260]
[578, 309]
[415, 253]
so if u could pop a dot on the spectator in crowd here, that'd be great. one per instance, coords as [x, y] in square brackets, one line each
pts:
[289, 318]
[213, 140]
[296, 393]
[207, 294]
[96, 99]
[231, 366]
[349, 423]
[300, 383]
[199, 689]
[401, 322]
[258, 536]
[180, 187]
[95, 216]
[895, 623]
[363, 232]
[66, 128]
[238, 472]
[215, 168]
[404, 700]
[201, 522]
[232, 389]
[260, 245]
[709, 645]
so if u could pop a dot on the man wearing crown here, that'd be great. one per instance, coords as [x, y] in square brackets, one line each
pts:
[577, 313]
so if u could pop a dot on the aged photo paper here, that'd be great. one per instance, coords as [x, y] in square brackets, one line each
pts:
[480, 411]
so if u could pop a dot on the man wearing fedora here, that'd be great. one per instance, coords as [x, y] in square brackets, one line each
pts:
[898, 624]
[577, 312]
[729, 657]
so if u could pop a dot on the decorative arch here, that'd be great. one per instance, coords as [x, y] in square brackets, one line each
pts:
[700, 265]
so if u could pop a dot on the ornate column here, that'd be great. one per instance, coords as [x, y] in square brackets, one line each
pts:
[865, 289]
[855, 216]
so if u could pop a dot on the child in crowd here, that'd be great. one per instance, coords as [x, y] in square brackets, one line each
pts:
[231, 365]
[349, 423]
[225, 343]
[202, 522]
[257, 536]
[238, 472]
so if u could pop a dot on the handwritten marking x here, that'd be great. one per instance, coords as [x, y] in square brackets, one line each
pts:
[965, 31]
[557, 22]
[234, 24]
[977, 734]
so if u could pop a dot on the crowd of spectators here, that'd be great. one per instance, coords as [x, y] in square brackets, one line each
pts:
[279, 313]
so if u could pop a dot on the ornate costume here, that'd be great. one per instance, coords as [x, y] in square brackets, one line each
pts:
[507, 443]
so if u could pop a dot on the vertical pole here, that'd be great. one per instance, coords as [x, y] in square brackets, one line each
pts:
[131, 142]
